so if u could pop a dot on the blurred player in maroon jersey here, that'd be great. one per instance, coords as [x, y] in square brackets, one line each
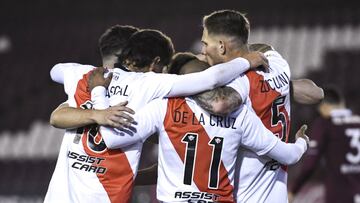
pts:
[336, 138]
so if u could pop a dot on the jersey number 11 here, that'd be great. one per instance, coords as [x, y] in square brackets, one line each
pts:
[191, 139]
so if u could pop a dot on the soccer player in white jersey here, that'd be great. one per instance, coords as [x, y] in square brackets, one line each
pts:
[225, 34]
[197, 150]
[110, 43]
[89, 170]
[184, 63]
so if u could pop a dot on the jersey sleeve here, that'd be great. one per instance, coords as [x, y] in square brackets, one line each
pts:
[215, 76]
[288, 153]
[171, 85]
[262, 141]
[148, 120]
[255, 136]
[276, 60]
[69, 74]
[99, 99]
[242, 85]
[81, 95]
[156, 85]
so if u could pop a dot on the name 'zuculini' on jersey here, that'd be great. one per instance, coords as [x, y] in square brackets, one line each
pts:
[275, 82]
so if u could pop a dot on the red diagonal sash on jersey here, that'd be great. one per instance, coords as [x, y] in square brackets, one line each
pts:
[262, 98]
[176, 132]
[118, 178]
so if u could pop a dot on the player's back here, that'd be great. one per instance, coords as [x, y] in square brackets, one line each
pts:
[197, 152]
[261, 179]
[342, 155]
[86, 170]
[136, 88]
[269, 95]
[91, 170]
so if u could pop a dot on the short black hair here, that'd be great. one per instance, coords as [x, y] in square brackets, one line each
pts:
[332, 95]
[144, 46]
[179, 60]
[115, 38]
[228, 22]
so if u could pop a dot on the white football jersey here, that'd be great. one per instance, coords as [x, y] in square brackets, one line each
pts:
[259, 178]
[86, 170]
[198, 150]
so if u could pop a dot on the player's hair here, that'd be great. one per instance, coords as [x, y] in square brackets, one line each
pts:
[332, 95]
[179, 60]
[144, 46]
[228, 22]
[113, 40]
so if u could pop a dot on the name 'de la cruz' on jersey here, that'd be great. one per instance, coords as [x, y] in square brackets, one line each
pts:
[88, 171]
[259, 178]
[197, 150]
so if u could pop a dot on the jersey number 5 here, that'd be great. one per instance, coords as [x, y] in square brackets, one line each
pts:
[277, 116]
[191, 139]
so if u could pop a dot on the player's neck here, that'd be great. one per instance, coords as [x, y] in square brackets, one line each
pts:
[108, 65]
[236, 53]
[109, 61]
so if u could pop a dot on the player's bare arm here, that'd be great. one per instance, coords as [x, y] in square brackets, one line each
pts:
[219, 101]
[305, 91]
[66, 117]
[147, 176]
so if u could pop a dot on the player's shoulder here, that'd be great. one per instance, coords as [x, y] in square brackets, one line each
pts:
[122, 77]
[74, 65]
[276, 61]
[156, 105]
[272, 54]
[151, 80]
[344, 117]
[74, 69]
[128, 74]
[242, 114]
[242, 78]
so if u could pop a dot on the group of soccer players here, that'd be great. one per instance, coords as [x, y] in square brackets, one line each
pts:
[222, 130]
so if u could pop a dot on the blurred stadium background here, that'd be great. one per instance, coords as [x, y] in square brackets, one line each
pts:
[320, 40]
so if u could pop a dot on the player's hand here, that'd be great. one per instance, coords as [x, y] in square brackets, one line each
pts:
[97, 78]
[118, 116]
[301, 133]
[291, 197]
[256, 59]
